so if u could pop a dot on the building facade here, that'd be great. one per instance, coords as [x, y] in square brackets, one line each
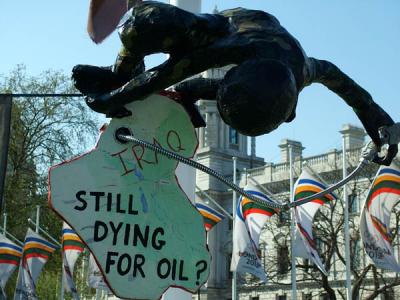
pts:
[217, 145]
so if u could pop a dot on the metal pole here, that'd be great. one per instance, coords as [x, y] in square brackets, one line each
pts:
[214, 202]
[346, 225]
[234, 275]
[62, 276]
[292, 226]
[4, 223]
[5, 124]
[37, 218]
[45, 233]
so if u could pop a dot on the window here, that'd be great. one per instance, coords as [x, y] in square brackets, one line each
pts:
[283, 259]
[283, 218]
[355, 250]
[388, 295]
[233, 136]
[353, 203]
[306, 263]
[255, 298]
[319, 245]
[306, 296]
[281, 297]
[324, 296]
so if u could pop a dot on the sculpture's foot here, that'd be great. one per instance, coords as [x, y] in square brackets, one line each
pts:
[92, 80]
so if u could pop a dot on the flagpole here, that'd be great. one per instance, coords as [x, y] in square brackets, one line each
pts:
[214, 202]
[37, 218]
[41, 230]
[346, 224]
[5, 223]
[234, 275]
[62, 276]
[261, 187]
[292, 227]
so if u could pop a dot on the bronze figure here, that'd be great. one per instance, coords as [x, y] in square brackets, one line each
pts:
[258, 93]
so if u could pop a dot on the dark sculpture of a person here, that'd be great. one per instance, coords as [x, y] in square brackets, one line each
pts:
[258, 93]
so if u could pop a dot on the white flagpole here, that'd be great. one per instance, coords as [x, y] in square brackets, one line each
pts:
[37, 218]
[62, 276]
[5, 223]
[234, 275]
[214, 202]
[292, 227]
[346, 225]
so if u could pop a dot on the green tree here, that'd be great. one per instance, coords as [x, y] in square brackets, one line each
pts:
[44, 131]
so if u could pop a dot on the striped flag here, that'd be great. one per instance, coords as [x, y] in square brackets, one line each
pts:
[36, 253]
[304, 242]
[210, 216]
[72, 247]
[10, 257]
[383, 195]
[249, 221]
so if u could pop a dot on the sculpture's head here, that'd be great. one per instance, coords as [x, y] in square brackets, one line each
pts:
[257, 96]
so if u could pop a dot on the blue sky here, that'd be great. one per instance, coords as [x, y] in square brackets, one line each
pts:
[362, 37]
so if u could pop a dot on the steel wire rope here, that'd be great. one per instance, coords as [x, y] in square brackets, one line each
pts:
[123, 137]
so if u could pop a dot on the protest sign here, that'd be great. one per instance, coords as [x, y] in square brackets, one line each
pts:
[125, 203]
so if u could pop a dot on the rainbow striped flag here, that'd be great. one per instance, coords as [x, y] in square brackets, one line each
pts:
[304, 242]
[375, 231]
[249, 221]
[210, 216]
[36, 253]
[72, 247]
[10, 257]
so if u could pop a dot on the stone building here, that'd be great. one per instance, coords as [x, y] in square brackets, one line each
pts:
[218, 143]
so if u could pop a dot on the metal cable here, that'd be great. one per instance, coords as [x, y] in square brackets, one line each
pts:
[200, 167]
[272, 205]
[329, 189]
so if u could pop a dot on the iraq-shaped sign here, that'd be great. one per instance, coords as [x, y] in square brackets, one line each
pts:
[125, 203]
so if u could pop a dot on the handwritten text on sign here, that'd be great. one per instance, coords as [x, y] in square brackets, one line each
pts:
[125, 203]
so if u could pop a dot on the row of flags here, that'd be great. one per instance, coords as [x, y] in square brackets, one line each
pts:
[32, 257]
[251, 217]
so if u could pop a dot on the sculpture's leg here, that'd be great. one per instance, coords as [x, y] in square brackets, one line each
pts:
[370, 114]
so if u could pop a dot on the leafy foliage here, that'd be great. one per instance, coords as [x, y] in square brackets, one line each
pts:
[44, 131]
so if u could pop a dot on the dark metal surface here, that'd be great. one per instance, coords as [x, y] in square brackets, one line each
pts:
[5, 123]
[255, 96]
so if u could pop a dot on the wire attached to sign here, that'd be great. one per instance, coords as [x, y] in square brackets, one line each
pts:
[123, 135]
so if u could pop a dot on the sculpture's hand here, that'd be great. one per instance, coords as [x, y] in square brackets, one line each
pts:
[389, 135]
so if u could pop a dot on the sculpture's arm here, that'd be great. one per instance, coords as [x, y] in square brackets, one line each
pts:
[371, 115]
[199, 88]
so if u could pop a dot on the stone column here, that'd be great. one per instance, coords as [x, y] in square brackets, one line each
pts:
[297, 149]
[353, 136]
